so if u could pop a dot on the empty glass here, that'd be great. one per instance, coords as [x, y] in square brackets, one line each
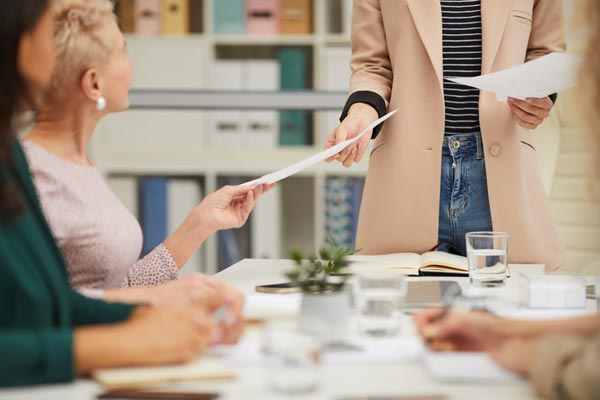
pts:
[380, 297]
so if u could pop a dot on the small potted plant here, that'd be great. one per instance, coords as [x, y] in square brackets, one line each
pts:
[325, 307]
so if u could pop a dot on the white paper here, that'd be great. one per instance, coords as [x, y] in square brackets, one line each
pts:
[466, 367]
[271, 305]
[538, 78]
[314, 159]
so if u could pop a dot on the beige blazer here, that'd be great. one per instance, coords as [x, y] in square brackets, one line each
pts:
[397, 53]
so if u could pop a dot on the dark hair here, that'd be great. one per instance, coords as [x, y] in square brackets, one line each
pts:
[17, 17]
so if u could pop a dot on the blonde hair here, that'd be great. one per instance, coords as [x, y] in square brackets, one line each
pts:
[79, 41]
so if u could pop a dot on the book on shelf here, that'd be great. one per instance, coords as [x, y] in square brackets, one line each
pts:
[265, 226]
[229, 16]
[196, 21]
[294, 75]
[125, 9]
[342, 204]
[433, 263]
[233, 245]
[183, 195]
[335, 76]
[262, 17]
[148, 17]
[153, 211]
[175, 17]
[296, 17]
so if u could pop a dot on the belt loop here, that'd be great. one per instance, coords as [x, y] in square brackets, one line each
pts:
[480, 153]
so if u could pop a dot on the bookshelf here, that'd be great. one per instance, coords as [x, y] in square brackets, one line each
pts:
[169, 130]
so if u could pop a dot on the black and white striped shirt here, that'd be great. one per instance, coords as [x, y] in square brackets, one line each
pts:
[461, 28]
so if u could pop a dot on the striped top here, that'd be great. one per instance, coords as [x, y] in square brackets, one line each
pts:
[461, 28]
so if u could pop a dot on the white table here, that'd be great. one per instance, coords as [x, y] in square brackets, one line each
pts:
[336, 380]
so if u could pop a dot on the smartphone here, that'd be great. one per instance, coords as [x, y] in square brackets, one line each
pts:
[281, 288]
[145, 395]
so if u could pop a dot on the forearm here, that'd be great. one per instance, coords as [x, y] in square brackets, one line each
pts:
[186, 239]
[129, 295]
[104, 346]
[574, 326]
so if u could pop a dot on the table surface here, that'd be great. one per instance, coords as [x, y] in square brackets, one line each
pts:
[336, 381]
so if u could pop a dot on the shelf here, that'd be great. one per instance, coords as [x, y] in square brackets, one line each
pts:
[224, 162]
[256, 40]
[337, 39]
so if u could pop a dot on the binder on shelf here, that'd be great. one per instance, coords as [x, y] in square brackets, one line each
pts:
[346, 17]
[175, 17]
[228, 127]
[294, 72]
[342, 204]
[229, 16]
[153, 211]
[196, 21]
[261, 126]
[125, 9]
[183, 196]
[296, 17]
[233, 245]
[148, 17]
[262, 17]
[335, 68]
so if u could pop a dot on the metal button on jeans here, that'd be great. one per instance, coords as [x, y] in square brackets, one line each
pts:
[456, 144]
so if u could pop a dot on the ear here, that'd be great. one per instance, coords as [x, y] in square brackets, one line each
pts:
[91, 84]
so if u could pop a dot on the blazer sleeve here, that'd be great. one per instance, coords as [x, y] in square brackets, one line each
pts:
[29, 357]
[567, 367]
[371, 79]
[547, 29]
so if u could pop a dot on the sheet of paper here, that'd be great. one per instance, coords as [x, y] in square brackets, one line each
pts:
[466, 367]
[260, 306]
[363, 350]
[538, 78]
[315, 159]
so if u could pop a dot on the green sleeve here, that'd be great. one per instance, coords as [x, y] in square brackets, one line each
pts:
[88, 311]
[29, 357]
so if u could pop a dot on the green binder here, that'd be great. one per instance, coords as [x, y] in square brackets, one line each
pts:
[229, 16]
[294, 126]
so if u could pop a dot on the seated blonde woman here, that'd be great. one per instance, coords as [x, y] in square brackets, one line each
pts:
[100, 239]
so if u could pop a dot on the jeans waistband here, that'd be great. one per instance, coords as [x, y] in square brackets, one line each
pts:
[461, 144]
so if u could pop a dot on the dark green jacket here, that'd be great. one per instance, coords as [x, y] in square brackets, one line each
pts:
[38, 309]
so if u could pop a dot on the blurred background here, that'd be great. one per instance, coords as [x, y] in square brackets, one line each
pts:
[225, 91]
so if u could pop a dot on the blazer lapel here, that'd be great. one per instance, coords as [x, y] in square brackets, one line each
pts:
[427, 15]
[494, 17]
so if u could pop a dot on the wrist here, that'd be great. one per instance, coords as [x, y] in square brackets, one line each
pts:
[363, 109]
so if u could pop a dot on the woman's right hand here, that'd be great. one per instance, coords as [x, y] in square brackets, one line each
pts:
[359, 117]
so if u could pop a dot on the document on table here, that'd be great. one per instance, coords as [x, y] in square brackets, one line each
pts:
[315, 159]
[466, 367]
[538, 78]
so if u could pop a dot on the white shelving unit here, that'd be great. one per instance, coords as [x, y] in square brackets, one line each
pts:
[176, 142]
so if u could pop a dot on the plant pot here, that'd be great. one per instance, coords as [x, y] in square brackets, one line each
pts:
[326, 315]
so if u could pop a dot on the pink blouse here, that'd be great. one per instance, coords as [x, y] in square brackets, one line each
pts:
[100, 239]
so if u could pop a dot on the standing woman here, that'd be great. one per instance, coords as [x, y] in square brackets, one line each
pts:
[453, 159]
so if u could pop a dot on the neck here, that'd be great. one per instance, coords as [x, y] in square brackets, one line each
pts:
[66, 134]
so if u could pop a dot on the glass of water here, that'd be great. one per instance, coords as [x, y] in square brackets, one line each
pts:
[292, 358]
[488, 258]
[380, 297]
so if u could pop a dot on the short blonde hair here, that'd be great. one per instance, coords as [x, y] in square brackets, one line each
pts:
[78, 41]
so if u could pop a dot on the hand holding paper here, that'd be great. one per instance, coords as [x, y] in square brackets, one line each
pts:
[315, 159]
[535, 79]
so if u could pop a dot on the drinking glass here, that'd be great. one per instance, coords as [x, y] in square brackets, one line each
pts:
[487, 253]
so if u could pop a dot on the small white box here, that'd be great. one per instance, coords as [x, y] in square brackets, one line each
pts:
[552, 291]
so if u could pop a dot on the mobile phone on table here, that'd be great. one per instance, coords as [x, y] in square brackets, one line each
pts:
[146, 395]
[280, 288]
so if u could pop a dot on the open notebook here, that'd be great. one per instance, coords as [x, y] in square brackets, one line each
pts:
[431, 263]
[142, 377]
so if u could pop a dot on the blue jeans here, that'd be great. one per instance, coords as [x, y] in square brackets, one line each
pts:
[464, 203]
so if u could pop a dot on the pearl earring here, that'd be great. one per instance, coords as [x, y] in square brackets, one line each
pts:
[100, 103]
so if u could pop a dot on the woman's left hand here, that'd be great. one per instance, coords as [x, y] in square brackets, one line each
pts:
[228, 207]
[531, 112]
